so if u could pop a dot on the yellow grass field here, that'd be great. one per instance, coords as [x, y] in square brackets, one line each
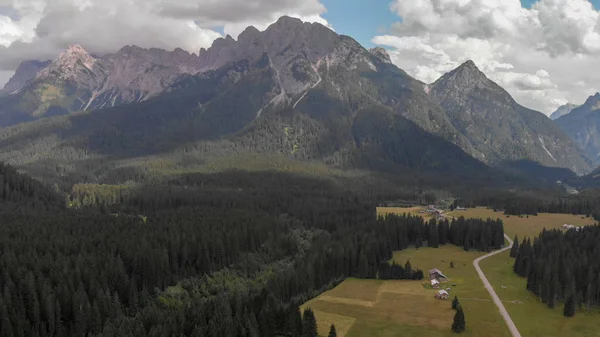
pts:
[401, 210]
[407, 308]
[532, 317]
[524, 226]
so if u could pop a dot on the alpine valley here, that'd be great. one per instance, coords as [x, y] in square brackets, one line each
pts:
[296, 95]
[288, 183]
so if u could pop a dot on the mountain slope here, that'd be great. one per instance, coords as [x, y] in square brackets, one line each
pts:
[497, 127]
[25, 72]
[563, 110]
[297, 90]
[583, 125]
[77, 81]
[326, 100]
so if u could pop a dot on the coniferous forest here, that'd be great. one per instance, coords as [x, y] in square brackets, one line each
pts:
[563, 267]
[199, 258]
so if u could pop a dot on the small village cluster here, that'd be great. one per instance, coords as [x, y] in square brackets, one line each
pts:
[438, 213]
[436, 278]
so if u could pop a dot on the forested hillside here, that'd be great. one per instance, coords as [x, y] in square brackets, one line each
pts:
[197, 258]
[18, 191]
[563, 267]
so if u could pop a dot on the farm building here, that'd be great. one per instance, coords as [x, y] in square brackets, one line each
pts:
[437, 274]
[435, 283]
[442, 295]
[461, 208]
[567, 227]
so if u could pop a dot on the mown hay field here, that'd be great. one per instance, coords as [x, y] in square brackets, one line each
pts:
[408, 308]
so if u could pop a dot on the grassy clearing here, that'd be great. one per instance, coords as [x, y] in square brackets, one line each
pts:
[513, 225]
[526, 226]
[401, 210]
[531, 316]
[408, 308]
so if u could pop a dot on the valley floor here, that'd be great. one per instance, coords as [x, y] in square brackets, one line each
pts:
[396, 307]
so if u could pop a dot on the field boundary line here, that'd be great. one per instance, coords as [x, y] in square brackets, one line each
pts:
[509, 322]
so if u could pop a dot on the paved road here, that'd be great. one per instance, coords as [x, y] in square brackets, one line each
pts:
[490, 289]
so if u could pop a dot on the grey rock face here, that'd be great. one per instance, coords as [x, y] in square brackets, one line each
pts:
[381, 54]
[499, 128]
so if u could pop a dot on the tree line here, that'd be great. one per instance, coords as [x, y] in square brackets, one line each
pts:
[533, 202]
[563, 267]
[204, 260]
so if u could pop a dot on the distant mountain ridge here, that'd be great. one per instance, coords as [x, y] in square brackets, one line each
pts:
[563, 110]
[583, 125]
[296, 89]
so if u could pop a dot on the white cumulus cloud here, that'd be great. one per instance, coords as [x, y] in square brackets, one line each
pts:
[544, 56]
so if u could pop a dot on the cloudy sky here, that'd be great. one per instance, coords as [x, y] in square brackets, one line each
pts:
[545, 53]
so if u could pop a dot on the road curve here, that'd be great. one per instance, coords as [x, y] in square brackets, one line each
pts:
[490, 289]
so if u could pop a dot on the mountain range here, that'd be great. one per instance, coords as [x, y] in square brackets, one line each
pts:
[296, 90]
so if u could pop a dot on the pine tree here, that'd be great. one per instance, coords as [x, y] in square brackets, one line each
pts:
[332, 332]
[569, 310]
[309, 324]
[408, 270]
[455, 303]
[295, 321]
[515, 248]
[433, 240]
[458, 325]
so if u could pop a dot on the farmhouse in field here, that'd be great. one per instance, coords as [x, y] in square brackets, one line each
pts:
[436, 274]
[442, 295]
[567, 227]
[435, 283]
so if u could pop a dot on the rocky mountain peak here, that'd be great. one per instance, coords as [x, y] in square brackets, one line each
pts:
[594, 98]
[468, 70]
[249, 35]
[75, 53]
[465, 78]
[69, 63]
[286, 22]
[381, 54]
[592, 103]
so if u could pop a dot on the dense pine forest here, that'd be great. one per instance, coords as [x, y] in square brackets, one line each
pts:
[196, 257]
[563, 267]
